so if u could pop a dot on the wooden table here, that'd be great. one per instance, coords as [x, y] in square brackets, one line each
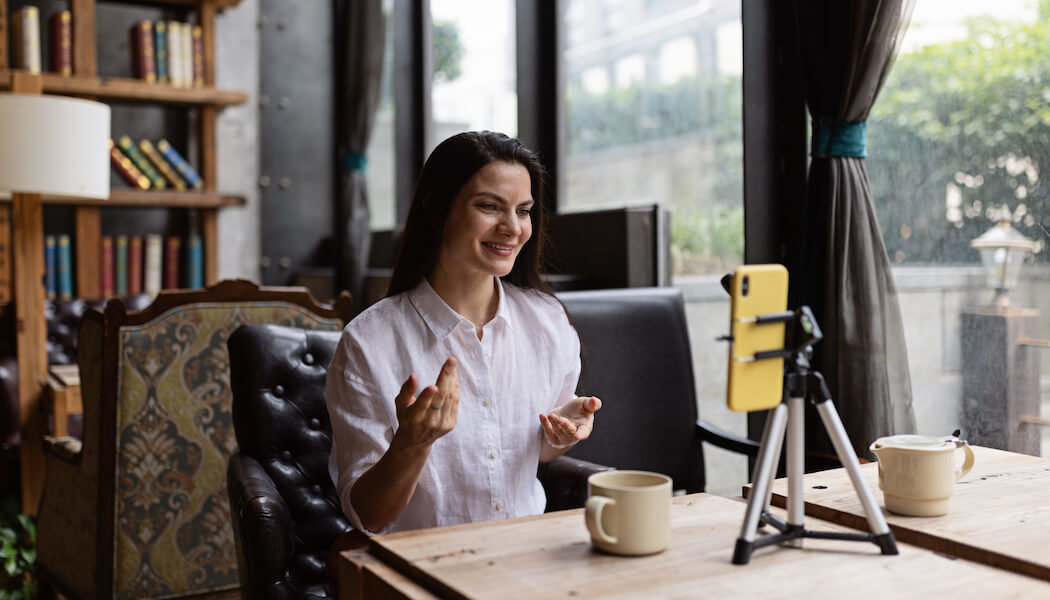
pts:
[999, 514]
[550, 556]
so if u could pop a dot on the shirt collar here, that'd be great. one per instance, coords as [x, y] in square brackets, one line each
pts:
[440, 317]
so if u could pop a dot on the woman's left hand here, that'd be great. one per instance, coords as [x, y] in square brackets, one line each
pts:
[570, 422]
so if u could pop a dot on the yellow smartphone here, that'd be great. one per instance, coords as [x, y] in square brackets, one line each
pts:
[756, 384]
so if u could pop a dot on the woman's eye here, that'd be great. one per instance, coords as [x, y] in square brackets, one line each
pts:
[487, 206]
[524, 212]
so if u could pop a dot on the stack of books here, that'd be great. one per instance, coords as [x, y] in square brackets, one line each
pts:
[168, 52]
[152, 167]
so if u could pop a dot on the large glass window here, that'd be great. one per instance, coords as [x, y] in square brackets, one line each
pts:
[475, 77]
[382, 201]
[653, 115]
[959, 140]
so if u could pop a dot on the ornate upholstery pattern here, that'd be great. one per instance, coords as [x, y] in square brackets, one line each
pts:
[141, 509]
[175, 436]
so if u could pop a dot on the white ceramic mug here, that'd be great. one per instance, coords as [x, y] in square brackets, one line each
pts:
[917, 473]
[629, 512]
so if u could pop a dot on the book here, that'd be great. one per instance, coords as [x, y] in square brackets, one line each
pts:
[186, 45]
[171, 262]
[151, 265]
[61, 31]
[194, 262]
[25, 39]
[160, 49]
[50, 268]
[198, 56]
[143, 64]
[127, 170]
[175, 54]
[120, 266]
[106, 266]
[193, 180]
[134, 265]
[65, 268]
[128, 147]
[165, 168]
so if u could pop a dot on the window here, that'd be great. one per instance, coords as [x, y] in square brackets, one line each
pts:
[380, 172]
[653, 115]
[474, 84]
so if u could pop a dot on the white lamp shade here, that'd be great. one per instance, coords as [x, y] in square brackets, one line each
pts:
[53, 145]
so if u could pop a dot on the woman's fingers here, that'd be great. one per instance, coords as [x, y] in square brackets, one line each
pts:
[406, 397]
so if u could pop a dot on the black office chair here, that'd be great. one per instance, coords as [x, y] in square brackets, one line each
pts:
[637, 359]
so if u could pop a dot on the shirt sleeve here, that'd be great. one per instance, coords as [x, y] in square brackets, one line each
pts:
[571, 345]
[361, 426]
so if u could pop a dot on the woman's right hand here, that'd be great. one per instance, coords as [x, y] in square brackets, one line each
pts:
[424, 418]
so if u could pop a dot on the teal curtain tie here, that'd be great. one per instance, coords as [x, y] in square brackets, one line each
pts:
[353, 161]
[832, 137]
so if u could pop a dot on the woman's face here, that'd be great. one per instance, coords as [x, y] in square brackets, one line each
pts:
[488, 223]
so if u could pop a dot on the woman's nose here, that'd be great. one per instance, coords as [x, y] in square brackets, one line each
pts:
[509, 225]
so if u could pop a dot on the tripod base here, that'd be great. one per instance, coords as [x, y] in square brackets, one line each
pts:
[793, 530]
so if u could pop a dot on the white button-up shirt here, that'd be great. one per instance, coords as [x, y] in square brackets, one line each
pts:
[527, 363]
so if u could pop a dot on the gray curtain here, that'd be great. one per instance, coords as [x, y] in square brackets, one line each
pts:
[847, 48]
[361, 35]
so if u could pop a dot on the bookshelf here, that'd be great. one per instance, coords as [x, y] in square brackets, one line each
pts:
[23, 281]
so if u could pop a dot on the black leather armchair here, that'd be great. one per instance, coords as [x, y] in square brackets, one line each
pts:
[285, 511]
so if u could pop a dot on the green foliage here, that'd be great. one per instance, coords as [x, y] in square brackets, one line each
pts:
[973, 114]
[448, 51]
[707, 240]
[17, 553]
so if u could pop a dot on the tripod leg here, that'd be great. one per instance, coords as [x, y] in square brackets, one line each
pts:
[772, 438]
[796, 467]
[837, 433]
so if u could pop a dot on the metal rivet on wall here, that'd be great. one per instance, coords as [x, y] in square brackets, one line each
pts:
[283, 102]
[264, 181]
[285, 183]
[263, 20]
[264, 101]
[264, 262]
[282, 24]
[285, 263]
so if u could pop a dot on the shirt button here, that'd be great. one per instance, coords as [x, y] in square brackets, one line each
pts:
[499, 506]
[485, 402]
[487, 352]
[493, 454]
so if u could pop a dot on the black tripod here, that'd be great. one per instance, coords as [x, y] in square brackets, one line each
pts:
[801, 383]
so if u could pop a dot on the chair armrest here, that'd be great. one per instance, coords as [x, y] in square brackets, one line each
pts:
[723, 439]
[262, 525]
[565, 481]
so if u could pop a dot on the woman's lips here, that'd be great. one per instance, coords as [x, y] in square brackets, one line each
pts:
[500, 249]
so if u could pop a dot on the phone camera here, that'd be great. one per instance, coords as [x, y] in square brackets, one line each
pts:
[745, 285]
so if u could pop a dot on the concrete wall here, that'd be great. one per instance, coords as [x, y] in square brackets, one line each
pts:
[237, 67]
[931, 300]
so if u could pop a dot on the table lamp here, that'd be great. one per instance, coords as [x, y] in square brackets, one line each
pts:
[1003, 250]
[54, 146]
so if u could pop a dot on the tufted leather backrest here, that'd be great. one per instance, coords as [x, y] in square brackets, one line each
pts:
[280, 474]
[636, 358]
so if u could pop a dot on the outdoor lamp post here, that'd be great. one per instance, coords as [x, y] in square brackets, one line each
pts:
[1003, 250]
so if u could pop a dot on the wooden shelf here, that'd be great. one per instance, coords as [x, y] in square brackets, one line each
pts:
[183, 3]
[132, 90]
[129, 198]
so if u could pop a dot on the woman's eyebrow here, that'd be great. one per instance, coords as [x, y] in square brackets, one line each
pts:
[501, 199]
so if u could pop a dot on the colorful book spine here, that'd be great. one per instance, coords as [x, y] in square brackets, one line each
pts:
[187, 54]
[175, 54]
[160, 49]
[194, 262]
[193, 180]
[120, 266]
[61, 27]
[50, 268]
[128, 147]
[127, 170]
[171, 262]
[162, 165]
[151, 275]
[198, 56]
[65, 268]
[143, 64]
[134, 265]
[25, 35]
[108, 284]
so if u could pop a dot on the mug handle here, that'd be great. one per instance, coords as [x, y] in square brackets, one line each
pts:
[593, 512]
[967, 462]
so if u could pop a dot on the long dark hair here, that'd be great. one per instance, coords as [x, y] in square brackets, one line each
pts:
[446, 171]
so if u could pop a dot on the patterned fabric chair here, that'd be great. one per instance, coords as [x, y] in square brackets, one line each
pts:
[140, 508]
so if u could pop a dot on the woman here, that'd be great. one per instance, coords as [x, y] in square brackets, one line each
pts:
[466, 308]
